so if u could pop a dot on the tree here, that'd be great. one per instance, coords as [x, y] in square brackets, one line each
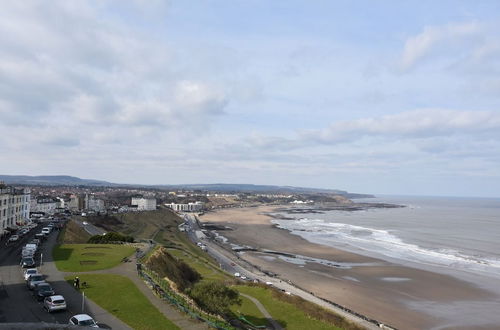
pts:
[214, 297]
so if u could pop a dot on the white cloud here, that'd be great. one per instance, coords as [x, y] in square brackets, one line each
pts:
[436, 38]
[417, 123]
[70, 65]
[421, 123]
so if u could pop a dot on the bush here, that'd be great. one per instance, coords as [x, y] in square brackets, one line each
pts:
[214, 297]
[165, 265]
[109, 238]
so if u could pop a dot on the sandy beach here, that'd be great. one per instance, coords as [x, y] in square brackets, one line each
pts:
[400, 296]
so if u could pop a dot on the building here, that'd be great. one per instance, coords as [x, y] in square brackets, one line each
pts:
[189, 207]
[144, 204]
[94, 204]
[14, 207]
[44, 204]
[76, 203]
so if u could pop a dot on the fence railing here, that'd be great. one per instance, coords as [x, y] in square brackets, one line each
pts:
[162, 288]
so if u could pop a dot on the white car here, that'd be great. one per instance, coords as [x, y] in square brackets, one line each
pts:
[28, 272]
[85, 223]
[237, 274]
[45, 230]
[54, 303]
[83, 320]
[14, 238]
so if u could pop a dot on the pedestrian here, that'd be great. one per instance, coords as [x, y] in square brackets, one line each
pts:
[76, 283]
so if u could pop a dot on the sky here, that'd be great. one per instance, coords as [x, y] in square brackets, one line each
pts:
[382, 97]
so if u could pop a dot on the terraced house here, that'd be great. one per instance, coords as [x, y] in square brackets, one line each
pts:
[14, 207]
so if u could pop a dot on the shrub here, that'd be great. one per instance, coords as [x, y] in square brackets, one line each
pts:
[110, 237]
[165, 265]
[214, 297]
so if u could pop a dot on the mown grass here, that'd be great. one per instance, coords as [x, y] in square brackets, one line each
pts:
[250, 311]
[119, 296]
[88, 257]
[287, 314]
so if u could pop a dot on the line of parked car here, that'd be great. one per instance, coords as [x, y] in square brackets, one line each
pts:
[42, 290]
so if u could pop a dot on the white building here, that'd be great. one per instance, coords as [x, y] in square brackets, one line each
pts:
[45, 204]
[94, 204]
[14, 207]
[144, 204]
[189, 207]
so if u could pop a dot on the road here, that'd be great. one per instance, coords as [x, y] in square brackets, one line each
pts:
[231, 263]
[90, 228]
[16, 301]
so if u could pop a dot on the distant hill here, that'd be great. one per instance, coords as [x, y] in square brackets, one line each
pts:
[252, 188]
[65, 180]
[52, 180]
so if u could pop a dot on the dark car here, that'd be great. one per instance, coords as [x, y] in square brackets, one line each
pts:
[27, 262]
[43, 290]
[40, 236]
[33, 280]
[35, 241]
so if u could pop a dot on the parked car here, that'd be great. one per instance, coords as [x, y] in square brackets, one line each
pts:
[14, 238]
[40, 236]
[28, 272]
[43, 290]
[54, 303]
[83, 320]
[31, 246]
[34, 280]
[26, 253]
[27, 262]
[35, 241]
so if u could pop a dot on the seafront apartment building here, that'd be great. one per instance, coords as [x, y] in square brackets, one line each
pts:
[144, 204]
[189, 207]
[14, 207]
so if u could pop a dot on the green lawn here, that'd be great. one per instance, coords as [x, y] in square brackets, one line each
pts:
[87, 257]
[289, 316]
[119, 296]
[249, 311]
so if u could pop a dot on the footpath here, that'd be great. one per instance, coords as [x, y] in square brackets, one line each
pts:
[128, 269]
[72, 297]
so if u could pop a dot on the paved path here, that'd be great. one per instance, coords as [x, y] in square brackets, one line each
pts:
[72, 296]
[263, 310]
[128, 269]
[232, 263]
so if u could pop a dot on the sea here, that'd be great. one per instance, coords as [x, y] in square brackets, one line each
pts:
[455, 236]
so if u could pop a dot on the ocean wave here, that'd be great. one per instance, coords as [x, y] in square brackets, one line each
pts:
[385, 243]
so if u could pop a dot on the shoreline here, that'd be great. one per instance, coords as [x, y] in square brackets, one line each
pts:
[391, 293]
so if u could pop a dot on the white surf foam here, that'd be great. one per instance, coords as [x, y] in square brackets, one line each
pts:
[385, 243]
